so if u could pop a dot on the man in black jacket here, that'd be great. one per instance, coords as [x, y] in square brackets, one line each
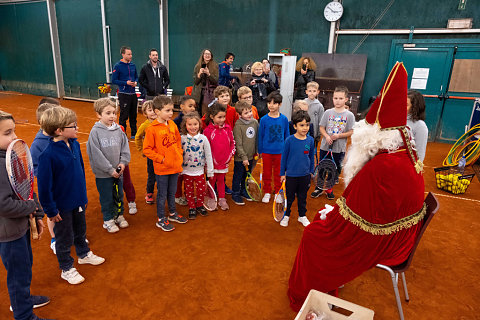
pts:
[154, 76]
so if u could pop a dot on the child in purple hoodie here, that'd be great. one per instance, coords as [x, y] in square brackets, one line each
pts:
[220, 136]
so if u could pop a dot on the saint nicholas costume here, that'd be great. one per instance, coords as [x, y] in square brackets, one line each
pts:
[377, 218]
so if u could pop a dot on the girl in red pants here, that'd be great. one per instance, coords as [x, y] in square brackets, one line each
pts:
[196, 154]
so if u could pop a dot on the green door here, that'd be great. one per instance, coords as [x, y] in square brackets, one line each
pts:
[429, 64]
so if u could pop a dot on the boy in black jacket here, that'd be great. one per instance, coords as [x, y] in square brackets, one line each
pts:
[15, 247]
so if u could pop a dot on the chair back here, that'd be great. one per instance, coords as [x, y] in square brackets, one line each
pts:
[432, 208]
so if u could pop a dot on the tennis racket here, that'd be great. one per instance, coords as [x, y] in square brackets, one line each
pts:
[19, 167]
[326, 171]
[116, 196]
[210, 200]
[280, 204]
[252, 187]
[260, 163]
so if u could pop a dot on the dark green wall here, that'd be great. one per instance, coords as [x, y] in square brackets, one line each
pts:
[26, 62]
[81, 47]
[249, 28]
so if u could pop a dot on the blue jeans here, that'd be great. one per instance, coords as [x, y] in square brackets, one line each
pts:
[166, 188]
[18, 259]
[239, 176]
[70, 231]
[105, 190]
[150, 176]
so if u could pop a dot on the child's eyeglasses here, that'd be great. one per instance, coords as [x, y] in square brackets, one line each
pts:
[75, 126]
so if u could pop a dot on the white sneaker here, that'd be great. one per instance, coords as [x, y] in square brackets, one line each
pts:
[72, 276]
[304, 220]
[266, 198]
[284, 222]
[92, 259]
[110, 226]
[181, 201]
[122, 223]
[52, 246]
[132, 207]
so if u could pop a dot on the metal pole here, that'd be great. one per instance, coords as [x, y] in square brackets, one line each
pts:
[57, 59]
[406, 31]
[162, 50]
[331, 39]
[105, 42]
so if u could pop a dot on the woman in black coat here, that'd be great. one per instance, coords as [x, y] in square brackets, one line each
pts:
[304, 73]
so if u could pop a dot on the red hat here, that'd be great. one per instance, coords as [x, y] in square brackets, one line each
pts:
[389, 110]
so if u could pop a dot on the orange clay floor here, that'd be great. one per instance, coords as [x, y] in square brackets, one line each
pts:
[236, 264]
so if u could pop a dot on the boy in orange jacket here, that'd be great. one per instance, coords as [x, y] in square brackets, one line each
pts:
[162, 144]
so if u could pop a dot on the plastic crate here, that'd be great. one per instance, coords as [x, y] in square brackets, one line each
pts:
[451, 180]
[318, 302]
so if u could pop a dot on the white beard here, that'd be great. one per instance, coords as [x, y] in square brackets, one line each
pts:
[367, 140]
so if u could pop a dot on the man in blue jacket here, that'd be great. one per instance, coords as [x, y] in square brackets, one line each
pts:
[125, 76]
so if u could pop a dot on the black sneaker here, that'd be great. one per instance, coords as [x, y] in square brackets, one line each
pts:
[246, 196]
[38, 301]
[228, 190]
[192, 214]
[165, 225]
[175, 217]
[330, 196]
[316, 193]
[238, 200]
[202, 211]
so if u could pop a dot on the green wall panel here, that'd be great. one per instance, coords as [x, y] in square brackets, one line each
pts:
[250, 29]
[26, 62]
[134, 24]
[81, 47]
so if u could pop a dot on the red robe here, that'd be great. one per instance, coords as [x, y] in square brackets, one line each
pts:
[335, 251]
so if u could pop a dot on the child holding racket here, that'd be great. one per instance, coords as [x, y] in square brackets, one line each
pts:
[336, 126]
[298, 158]
[38, 145]
[272, 133]
[163, 146]
[220, 136]
[15, 247]
[147, 109]
[59, 164]
[245, 134]
[196, 155]
[107, 149]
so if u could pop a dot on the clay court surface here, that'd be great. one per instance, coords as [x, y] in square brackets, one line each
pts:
[236, 264]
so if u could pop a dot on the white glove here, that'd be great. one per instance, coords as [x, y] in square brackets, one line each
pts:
[323, 212]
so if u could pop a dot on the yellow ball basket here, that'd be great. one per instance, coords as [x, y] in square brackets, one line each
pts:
[104, 88]
[451, 180]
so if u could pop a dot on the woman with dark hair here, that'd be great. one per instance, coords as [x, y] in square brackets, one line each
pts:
[415, 121]
[205, 80]
[304, 73]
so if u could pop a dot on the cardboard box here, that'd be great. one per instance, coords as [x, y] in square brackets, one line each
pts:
[318, 302]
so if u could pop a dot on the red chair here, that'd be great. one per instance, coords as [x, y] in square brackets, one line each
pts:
[432, 208]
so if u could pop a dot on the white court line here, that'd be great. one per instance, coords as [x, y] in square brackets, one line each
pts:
[453, 197]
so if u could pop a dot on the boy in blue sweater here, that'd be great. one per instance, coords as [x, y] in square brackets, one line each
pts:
[38, 145]
[59, 164]
[272, 133]
[297, 166]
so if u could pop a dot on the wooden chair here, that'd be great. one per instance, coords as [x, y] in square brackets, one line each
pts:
[432, 208]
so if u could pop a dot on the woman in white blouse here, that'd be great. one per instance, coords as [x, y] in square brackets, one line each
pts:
[415, 120]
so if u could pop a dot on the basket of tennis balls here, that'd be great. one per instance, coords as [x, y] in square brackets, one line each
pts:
[451, 180]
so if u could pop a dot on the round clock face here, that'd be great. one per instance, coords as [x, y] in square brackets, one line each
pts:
[333, 11]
